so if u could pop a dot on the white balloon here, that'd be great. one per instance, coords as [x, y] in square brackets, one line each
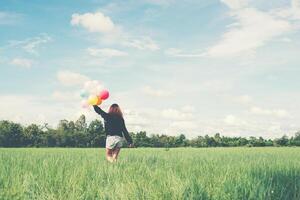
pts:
[93, 87]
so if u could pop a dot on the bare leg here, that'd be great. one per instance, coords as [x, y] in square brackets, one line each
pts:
[115, 153]
[109, 155]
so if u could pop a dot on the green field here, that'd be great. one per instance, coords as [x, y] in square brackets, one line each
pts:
[182, 173]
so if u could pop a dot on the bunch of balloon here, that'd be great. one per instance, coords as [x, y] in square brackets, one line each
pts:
[94, 99]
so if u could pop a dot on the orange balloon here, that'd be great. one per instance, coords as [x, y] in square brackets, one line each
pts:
[99, 101]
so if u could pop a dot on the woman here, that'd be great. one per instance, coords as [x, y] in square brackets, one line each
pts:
[115, 129]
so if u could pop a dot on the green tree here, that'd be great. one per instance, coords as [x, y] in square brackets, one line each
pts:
[81, 124]
[96, 134]
[141, 139]
[33, 135]
[180, 141]
[11, 134]
[283, 141]
[296, 139]
[218, 140]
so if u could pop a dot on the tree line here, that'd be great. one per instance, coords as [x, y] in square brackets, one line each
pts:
[82, 134]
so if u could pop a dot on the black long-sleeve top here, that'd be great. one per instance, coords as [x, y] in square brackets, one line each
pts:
[113, 124]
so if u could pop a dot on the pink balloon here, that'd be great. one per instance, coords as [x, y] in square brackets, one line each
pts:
[104, 94]
[84, 104]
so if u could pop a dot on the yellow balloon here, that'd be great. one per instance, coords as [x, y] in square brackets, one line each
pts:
[93, 100]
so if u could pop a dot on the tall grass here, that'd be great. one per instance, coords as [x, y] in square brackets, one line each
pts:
[183, 173]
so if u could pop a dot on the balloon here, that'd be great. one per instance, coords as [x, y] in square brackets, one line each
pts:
[83, 94]
[93, 100]
[84, 104]
[104, 94]
[99, 101]
[93, 87]
[98, 89]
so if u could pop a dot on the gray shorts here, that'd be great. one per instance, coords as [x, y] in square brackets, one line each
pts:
[114, 141]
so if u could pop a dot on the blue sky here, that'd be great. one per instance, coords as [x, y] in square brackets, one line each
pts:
[192, 67]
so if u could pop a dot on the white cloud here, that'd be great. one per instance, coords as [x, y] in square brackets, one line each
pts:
[8, 18]
[140, 118]
[216, 86]
[148, 90]
[68, 78]
[251, 30]
[184, 127]
[174, 52]
[172, 114]
[244, 99]
[26, 109]
[286, 39]
[31, 45]
[65, 96]
[233, 121]
[22, 62]
[188, 109]
[142, 43]
[292, 12]
[106, 52]
[93, 22]
[236, 4]
[280, 113]
[296, 9]
[175, 114]
[160, 2]
[135, 120]
[230, 119]
[112, 34]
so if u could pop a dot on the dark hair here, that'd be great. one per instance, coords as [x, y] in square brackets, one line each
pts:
[116, 110]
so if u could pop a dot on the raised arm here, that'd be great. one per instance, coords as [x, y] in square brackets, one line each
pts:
[103, 114]
[125, 132]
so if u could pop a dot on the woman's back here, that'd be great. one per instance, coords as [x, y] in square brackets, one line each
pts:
[114, 125]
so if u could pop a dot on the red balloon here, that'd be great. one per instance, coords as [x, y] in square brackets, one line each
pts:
[104, 94]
